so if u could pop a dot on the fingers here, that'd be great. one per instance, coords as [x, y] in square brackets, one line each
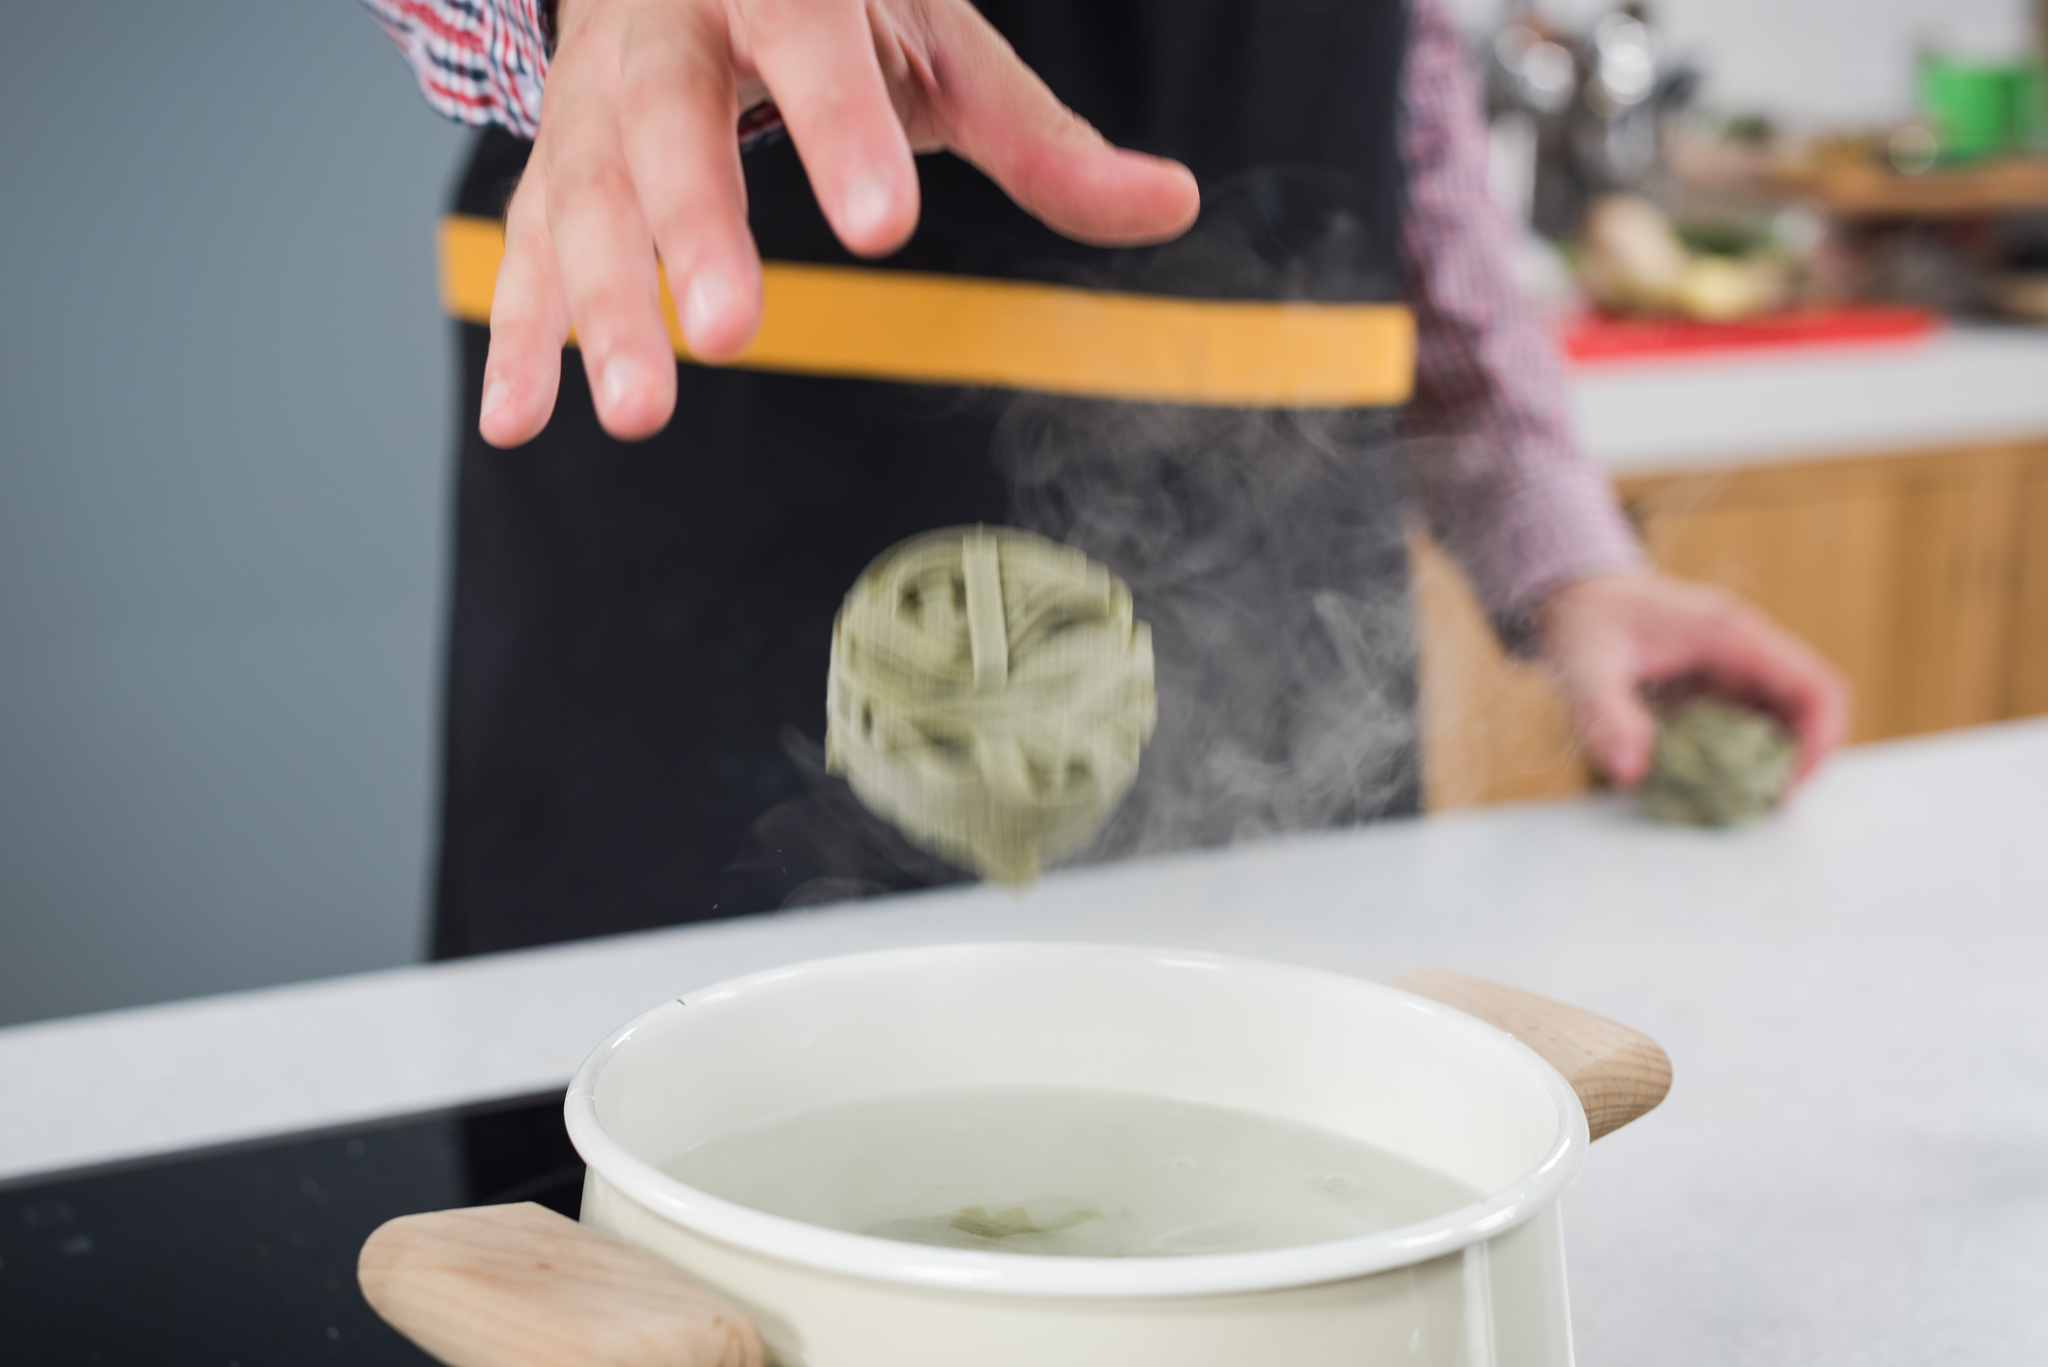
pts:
[818, 56]
[1740, 652]
[677, 111]
[529, 319]
[1611, 637]
[606, 255]
[1614, 725]
[1001, 117]
[1751, 656]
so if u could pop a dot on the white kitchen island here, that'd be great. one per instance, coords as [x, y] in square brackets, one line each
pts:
[1852, 1167]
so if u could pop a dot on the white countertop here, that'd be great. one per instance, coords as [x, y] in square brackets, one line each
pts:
[1851, 1169]
[1965, 384]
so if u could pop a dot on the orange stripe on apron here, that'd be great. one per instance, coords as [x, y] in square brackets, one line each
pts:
[966, 330]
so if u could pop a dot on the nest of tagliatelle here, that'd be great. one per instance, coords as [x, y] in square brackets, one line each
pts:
[1717, 763]
[989, 694]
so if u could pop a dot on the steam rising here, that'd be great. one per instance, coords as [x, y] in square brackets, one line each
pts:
[1266, 549]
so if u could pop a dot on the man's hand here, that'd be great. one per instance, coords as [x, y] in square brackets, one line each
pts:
[637, 154]
[1613, 636]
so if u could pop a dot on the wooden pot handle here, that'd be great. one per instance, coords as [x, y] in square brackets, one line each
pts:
[1618, 1073]
[520, 1286]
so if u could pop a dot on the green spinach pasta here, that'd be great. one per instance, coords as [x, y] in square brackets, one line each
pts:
[989, 693]
[1717, 764]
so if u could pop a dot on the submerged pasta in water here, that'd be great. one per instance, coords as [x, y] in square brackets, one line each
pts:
[989, 693]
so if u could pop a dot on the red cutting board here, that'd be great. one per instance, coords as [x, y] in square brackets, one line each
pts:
[1597, 338]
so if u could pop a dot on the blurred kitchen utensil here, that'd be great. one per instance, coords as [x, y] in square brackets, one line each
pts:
[1575, 115]
[1979, 109]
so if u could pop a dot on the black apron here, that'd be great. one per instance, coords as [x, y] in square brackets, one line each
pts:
[637, 657]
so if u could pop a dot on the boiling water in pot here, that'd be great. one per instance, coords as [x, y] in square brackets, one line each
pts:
[1067, 1171]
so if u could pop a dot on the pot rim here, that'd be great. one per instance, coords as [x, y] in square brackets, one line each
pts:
[867, 1258]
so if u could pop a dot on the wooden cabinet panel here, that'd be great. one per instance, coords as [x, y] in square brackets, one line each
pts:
[1897, 569]
[2027, 660]
[1493, 728]
[1792, 560]
[1954, 586]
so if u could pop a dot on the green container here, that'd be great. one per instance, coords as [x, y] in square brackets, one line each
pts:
[1980, 109]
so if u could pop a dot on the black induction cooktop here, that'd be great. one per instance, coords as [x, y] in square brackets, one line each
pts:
[246, 1257]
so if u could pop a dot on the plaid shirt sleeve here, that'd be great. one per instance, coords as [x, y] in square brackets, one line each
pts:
[479, 61]
[1494, 464]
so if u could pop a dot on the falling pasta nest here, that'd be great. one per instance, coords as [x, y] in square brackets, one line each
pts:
[989, 694]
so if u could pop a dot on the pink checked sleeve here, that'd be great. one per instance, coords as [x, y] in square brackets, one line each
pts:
[479, 61]
[1500, 477]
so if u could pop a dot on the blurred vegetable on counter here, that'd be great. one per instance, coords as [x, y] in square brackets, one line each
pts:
[1633, 260]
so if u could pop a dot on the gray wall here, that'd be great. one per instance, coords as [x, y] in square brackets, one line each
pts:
[224, 425]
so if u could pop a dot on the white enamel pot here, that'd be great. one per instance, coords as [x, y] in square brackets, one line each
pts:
[1477, 1285]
